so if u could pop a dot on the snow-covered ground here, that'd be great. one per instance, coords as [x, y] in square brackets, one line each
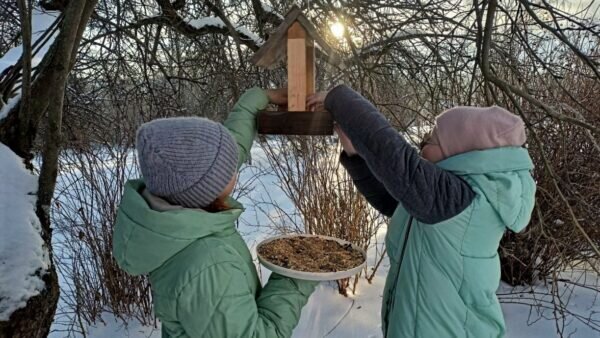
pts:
[329, 314]
[23, 260]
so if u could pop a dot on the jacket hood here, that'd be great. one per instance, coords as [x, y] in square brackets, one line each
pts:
[503, 176]
[145, 238]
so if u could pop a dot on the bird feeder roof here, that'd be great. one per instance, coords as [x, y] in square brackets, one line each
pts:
[275, 48]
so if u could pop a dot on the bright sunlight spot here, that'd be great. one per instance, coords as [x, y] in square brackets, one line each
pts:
[337, 29]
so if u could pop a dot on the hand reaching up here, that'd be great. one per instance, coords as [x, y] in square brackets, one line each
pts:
[315, 102]
[278, 96]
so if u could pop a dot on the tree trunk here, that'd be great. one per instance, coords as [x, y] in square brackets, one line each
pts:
[35, 319]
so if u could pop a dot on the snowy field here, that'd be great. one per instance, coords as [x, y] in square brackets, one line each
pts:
[329, 314]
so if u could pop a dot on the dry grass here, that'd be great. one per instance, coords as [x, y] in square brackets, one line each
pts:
[87, 197]
[324, 194]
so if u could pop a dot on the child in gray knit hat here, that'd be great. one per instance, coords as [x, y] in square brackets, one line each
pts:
[178, 226]
[188, 161]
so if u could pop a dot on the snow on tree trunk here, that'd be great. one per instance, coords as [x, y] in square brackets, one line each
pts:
[36, 304]
[23, 257]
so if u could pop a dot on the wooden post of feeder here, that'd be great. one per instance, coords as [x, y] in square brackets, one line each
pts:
[310, 67]
[301, 67]
[297, 68]
[296, 38]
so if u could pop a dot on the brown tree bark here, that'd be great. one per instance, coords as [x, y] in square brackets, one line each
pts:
[35, 319]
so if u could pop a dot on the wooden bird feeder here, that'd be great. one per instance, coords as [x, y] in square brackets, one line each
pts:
[294, 38]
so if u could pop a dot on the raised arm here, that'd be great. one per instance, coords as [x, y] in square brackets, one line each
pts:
[364, 180]
[428, 192]
[241, 122]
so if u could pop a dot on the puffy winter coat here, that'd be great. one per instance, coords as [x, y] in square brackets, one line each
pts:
[204, 282]
[447, 220]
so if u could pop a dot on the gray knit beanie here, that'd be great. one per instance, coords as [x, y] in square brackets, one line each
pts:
[186, 160]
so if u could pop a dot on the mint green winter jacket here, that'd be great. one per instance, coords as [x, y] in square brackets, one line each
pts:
[204, 282]
[450, 271]
[447, 220]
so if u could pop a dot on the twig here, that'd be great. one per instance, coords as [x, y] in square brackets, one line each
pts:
[341, 320]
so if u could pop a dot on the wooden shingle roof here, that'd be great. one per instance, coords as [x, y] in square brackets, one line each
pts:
[275, 48]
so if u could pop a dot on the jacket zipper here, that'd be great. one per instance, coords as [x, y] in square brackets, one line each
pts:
[392, 291]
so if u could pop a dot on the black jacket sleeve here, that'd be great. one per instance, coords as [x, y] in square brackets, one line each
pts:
[429, 193]
[373, 190]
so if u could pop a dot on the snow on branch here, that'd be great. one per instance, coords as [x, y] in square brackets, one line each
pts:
[40, 22]
[211, 21]
[268, 9]
[205, 25]
[6, 107]
[207, 21]
[44, 30]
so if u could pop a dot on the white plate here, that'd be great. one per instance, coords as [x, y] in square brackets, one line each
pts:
[314, 276]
